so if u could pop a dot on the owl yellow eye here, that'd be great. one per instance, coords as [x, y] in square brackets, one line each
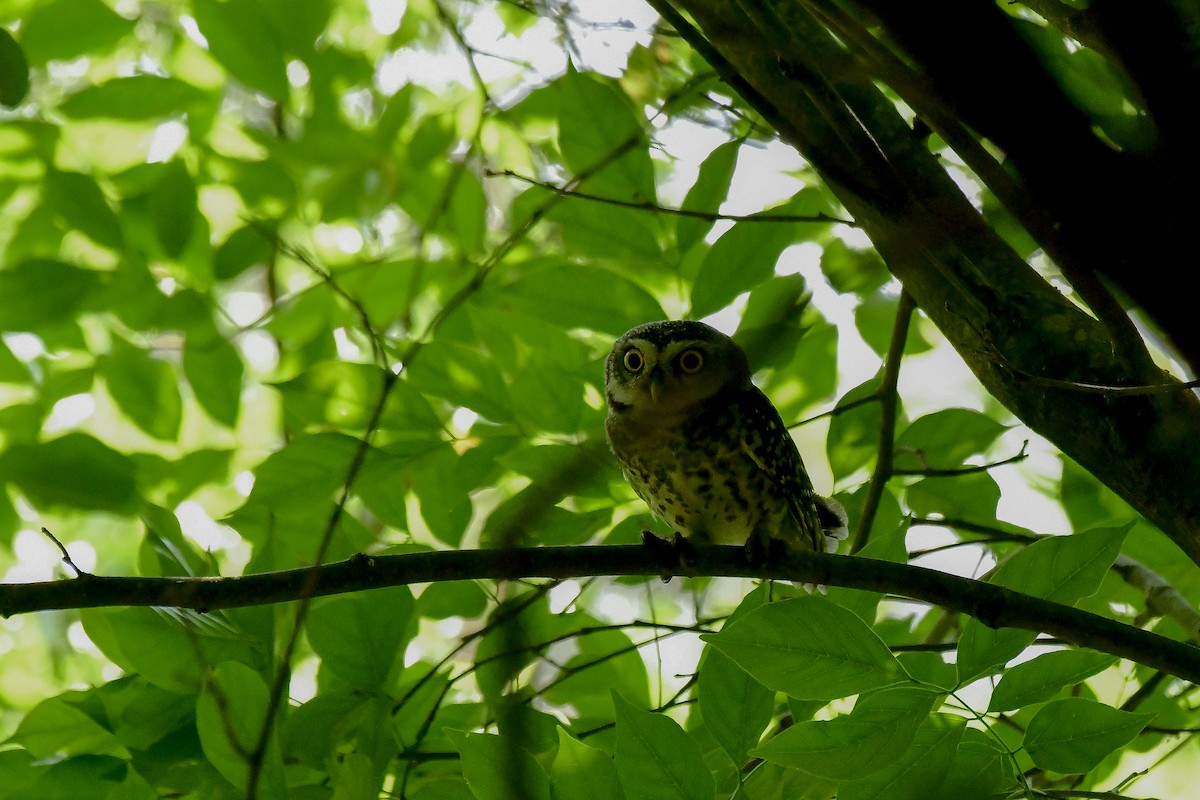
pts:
[691, 360]
[634, 361]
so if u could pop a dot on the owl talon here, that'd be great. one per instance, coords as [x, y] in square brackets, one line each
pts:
[663, 551]
[685, 552]
[764, 550]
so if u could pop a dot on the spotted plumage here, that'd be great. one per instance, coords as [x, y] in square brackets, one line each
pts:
[704, 447]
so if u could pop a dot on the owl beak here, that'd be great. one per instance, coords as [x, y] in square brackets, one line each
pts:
[656, 385]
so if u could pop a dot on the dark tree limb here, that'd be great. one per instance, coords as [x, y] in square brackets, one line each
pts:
[995, 606]
[1027, 344]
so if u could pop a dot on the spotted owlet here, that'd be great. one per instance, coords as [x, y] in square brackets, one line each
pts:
[704, 447]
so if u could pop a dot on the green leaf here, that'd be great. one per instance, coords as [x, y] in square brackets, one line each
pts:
[875, 319]
[65, 29]
[944, 439]
[16, 770]
[917, 775]
[145, 388]
[581, 772]
[359, 635]
[546, 398]
[656, 759]
[875, 735]
[335, 394]
[305, 472]
[171, 649]
[452, 599]
[214, 370]
[746, 254]
[74, 471]
[889, 547]
[707, 194]
[770, 329]
[740, 260]
[173, 206]
[134, 98]
[244, 248]
[497, 768]
[809, 648]
[853, 438]
[464, 376]
[14, 71]
[587, 227]
[575, 296]
[1074, 735]
[981, 768]
[596, 120]
[1064, 569]
[736, 708]
[40, 292]
[241, 37]
[230, 715]
[83, 776]
[141, 714]
[55, 728]
[607, 662]
[79, 201]
[971, 496]
[1043, 677]
[467, 217]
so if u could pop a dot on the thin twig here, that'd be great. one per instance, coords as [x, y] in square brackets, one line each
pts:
[836, 410]
[643, 205]
[66, 557]
[951, 472]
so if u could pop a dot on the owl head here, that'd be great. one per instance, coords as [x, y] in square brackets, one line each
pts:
[670, 366]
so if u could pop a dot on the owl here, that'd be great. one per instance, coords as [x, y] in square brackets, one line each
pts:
[704, 447]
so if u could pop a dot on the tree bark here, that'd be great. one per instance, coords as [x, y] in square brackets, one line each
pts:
[1038, 353]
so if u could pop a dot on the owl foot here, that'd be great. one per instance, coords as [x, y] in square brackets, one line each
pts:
[675, 556]
[763, 550]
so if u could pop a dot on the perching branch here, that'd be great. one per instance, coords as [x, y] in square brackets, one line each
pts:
[995, 606]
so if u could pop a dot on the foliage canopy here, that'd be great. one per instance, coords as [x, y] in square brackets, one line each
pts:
[286, 284]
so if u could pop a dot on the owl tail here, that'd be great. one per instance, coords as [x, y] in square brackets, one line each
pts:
[833, 522]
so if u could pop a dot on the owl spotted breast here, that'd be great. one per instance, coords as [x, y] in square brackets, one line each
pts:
[704, 447]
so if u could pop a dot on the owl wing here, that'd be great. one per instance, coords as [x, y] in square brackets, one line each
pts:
[765, 439]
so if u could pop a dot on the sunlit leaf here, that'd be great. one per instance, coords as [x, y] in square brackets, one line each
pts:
[735, 706]
[14, 71]
[707, 194]
[241, 37]
[922, 769]
[586, 297]
[42, 292]
[656, 759]
[1041, 678]
[496, 768]
[74, 470]
[1059, 568]
[172, 650]
[145, 388]
[230, 715]
[65, 29]
[135, 97]
[173, 208]
[875, 735]
[810, 649]
[1075, 734]
[359, 635]
[581, 772]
